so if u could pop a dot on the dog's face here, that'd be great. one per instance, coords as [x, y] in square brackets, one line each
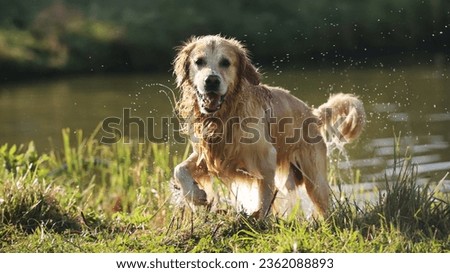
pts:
[213, 67]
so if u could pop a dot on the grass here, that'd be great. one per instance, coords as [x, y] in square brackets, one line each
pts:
[97, 198]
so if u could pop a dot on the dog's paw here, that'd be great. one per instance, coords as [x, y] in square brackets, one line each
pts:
[197, 196]
[193, 194]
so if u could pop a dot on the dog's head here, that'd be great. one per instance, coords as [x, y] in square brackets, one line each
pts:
[213, 67]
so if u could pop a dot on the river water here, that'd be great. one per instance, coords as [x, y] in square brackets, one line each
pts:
[410, 102]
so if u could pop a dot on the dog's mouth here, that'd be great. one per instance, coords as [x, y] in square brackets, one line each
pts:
[210, 102]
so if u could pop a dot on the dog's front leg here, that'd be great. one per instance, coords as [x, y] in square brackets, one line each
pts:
[184, 174]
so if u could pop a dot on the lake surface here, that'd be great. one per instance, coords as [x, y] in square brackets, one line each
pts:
[412, 102]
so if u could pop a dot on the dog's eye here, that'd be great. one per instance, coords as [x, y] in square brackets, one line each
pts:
[200, 62]
[224, 63]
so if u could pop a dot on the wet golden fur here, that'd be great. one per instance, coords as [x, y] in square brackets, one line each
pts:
[263, 174]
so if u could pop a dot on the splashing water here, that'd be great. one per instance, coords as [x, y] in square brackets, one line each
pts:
[166, 89]
[338, 154]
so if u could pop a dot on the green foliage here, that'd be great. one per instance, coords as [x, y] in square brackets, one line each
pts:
[113, 35]
[54, 37]
[34, 204]
[99, 198]
[14, 159]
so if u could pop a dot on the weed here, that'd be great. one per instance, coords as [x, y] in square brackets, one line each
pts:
[97, 198]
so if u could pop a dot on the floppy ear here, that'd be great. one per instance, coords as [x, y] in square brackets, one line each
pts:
[247, 70]
[181, 62]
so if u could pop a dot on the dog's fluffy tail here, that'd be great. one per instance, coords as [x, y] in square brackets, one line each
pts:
[342, 116]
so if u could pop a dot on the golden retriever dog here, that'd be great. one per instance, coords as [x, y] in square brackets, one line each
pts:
[260, 141]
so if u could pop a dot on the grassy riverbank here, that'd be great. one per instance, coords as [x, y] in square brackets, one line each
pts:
[97, 198]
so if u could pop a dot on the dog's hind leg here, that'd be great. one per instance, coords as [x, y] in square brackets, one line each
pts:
[313, 163]
[267, 189]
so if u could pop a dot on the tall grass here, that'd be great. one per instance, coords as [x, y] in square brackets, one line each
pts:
[92, 197]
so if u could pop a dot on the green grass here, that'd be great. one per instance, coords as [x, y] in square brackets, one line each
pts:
[96, 198]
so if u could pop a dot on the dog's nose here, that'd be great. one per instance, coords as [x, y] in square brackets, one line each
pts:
[212, 83]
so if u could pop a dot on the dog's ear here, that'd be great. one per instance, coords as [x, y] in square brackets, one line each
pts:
[181, 62]
[246, 69]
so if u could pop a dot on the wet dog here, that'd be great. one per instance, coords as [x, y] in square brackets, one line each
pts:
[259, 140]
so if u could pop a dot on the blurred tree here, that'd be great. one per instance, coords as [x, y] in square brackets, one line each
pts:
[104, 35]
